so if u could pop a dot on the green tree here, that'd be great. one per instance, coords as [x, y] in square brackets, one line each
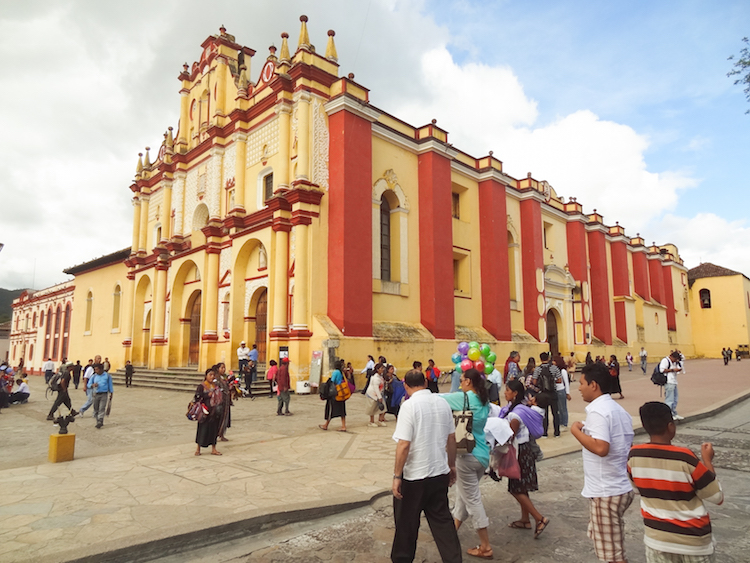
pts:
[742, 69]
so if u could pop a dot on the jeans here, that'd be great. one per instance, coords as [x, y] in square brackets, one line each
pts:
[89, 400]
[643, 364]
[100, 406]
[671, 397]
[562, 407]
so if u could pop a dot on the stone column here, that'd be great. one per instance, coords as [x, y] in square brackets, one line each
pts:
[166, 213]
[143, 226]
[135, 244]
[281, 174]
[240, 141]
[280, 276]
[301, 261]
[303, 136]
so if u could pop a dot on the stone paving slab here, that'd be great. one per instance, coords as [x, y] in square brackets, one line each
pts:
[137, 480]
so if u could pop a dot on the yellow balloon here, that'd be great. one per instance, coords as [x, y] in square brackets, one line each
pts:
[474, 354]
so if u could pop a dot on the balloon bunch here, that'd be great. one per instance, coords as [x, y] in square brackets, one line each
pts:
[473, 355]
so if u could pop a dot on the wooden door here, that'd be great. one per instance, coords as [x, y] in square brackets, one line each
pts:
[195, 332]
[552, 339]
[261, 325]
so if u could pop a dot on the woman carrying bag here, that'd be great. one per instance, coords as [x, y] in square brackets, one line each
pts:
[210, 396]
[374, 397]
[470, 467]
[336, 406]
[520, 488]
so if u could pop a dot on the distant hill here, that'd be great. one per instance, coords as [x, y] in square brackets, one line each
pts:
[6, 300]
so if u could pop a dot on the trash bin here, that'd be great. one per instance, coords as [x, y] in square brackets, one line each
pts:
[303, 387]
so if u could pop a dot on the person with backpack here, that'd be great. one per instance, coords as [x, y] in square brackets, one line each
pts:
[543, 382]
[59, 384]
[670, 366]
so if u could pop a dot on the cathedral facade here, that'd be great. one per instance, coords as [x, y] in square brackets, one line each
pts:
[291, 213]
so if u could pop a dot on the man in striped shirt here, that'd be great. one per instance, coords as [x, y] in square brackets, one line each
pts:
[673, 484]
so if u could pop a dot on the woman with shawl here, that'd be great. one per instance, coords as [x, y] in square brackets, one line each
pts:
[210, 396]
[225, 409]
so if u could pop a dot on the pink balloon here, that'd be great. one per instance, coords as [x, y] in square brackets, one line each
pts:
[467, 364]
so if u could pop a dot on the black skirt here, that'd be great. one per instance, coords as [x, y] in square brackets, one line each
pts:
[207, 432]
[335, 409]
[527, 463]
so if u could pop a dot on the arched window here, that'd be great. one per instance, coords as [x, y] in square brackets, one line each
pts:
[66, 332]
[58, 319]
[41, 319]
[385, 239]
[48, 334]
[33, 323]
[89, 307]
[31, 353]
[116, 307]
[705, 297]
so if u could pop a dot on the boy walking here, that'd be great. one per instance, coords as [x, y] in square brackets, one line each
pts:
[673, 484]
[606, 437]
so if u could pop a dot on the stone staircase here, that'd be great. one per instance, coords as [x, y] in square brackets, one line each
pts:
[170, 379]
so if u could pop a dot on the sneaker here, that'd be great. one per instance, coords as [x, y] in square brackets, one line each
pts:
[563, 428]
[50, 417]
[99, 425]
[372, 424]
[678, 417]
[382, 423]
[543, 437]
[74, 412]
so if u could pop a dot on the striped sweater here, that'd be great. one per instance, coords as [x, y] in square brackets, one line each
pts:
[673, 484]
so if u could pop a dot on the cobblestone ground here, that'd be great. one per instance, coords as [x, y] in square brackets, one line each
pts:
[365, 535]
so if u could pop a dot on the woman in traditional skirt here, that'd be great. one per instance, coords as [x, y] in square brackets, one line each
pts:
[520, 488]
[614, 371]
[225, 410]
[210, 395]
[334, 408]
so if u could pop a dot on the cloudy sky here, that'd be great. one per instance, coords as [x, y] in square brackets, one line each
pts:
[624, 105]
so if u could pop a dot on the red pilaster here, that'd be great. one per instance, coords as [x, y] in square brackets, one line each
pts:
[579, 269]
[640, 275]
[532, 263]
[657, 280]
[436, 245]
[600, 314]
[666, 270]
[494, 259]
[620, 286]
[349, 225]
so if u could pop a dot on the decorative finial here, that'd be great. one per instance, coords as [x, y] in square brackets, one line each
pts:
[528, 174]
[331, 54]
[139, 167]
[491, 153]
[223, 29]
[304, 38]
[434, 121]
[185, 67]
[272, 53]
[594, 210]
[284, 55]
[147, 161]
[350, 76]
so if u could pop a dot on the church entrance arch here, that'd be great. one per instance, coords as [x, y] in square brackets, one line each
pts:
[552, 333]
[194, 343]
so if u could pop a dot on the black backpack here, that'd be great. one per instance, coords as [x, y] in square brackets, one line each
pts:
[54, 383]
[546, 379]
[658, 378]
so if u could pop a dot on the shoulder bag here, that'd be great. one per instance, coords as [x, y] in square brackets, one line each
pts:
[464, 421]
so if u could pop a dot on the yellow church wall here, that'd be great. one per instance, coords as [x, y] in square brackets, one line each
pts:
[513, 209]
[683, 335]
[726, 322]
[466, 249]
[105, 335]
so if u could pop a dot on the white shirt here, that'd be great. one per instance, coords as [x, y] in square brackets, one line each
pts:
[666, 364]
[23, 388]
[607, 476]
[88, 373]
[643, 354]
[49, 366]
[374, 390]
[370, 365]
[564, 383]
[496, 377]
[425, 421]
[243, 353]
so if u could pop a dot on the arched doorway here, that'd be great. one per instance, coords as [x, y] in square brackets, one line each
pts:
[552, 337]
[261, 325]
[194, 346]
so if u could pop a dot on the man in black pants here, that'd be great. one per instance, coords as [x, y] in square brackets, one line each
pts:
[423, 473]
[62, 395]
[128, 374]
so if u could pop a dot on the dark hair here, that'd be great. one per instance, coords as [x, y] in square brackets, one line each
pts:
[655, 417]
[19, 381]
[529, 366]
[544, 356]
[378, 366]
[209, 370]
[517, 386]
[370, 356]
[338, 364]
[559, 361]
[416, 364]
[272, 363]
[98, 366]
[477, 382]
[598, 372]
[414, 378]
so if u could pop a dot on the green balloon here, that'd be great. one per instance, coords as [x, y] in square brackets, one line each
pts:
[492, 357]
[489, 368]
[485, 349]
[458, 367]
[474, 344]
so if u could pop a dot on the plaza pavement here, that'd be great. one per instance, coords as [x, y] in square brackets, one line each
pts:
[137, 481]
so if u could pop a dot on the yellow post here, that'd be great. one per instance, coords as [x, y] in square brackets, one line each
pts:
[61, 447]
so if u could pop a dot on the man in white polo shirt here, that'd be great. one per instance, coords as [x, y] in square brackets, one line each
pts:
[425, 467]
[606, 437]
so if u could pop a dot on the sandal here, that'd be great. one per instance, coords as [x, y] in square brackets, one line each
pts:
[342, 430]
[322, 427]
[479, 552]
[520, 525]
[540, 526]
